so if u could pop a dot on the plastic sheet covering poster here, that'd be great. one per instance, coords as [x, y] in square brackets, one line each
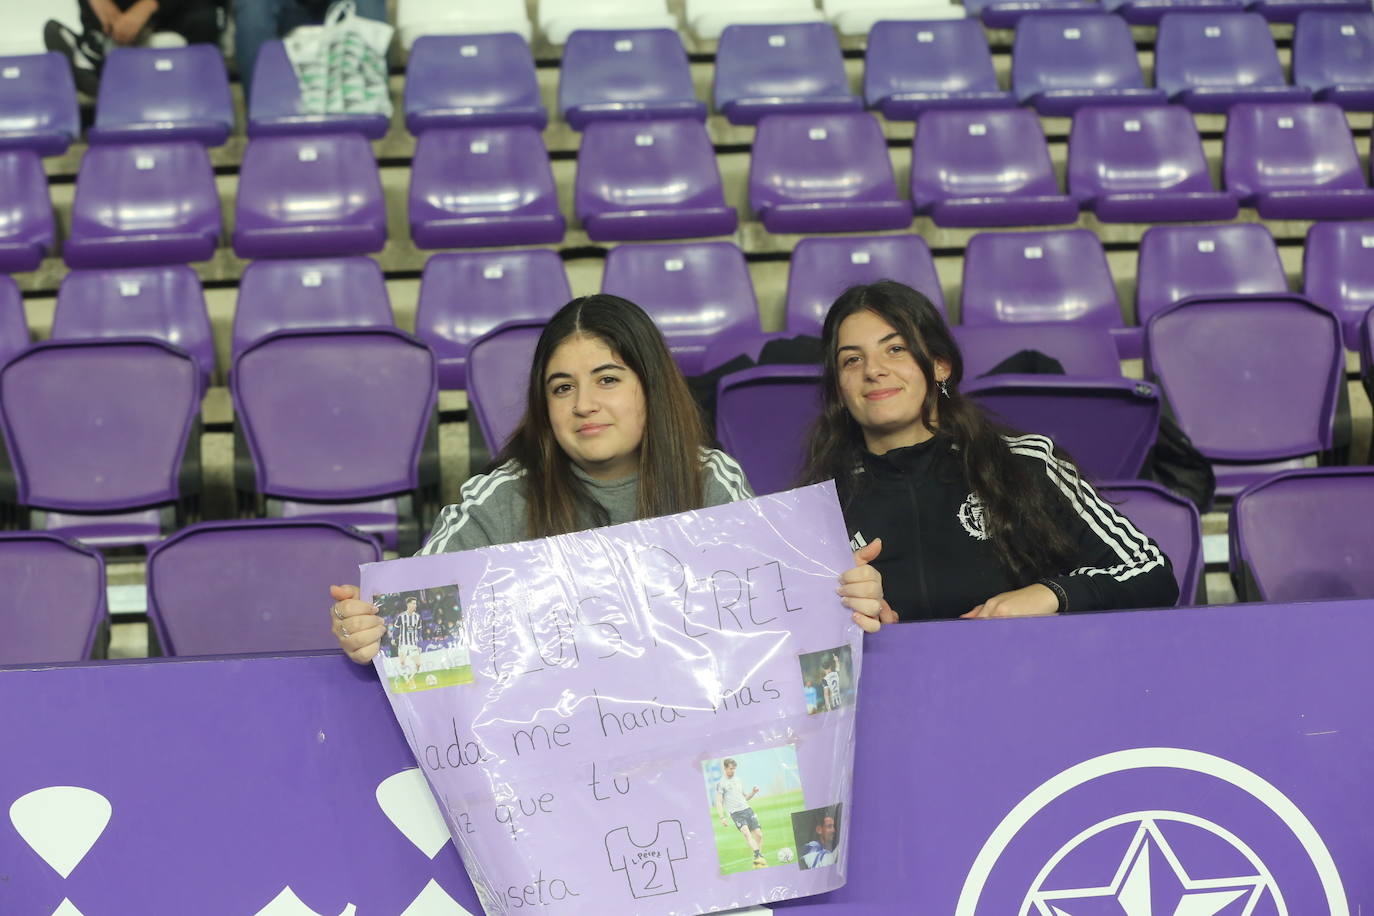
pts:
[649, 718]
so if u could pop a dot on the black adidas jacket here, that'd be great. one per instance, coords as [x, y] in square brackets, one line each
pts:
[936, 560]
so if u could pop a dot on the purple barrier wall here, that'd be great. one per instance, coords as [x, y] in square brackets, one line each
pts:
[1205, 762]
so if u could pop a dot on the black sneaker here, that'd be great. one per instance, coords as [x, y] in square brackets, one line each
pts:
[85, 54]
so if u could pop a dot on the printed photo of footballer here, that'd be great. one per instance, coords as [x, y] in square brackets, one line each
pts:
[817, 834]
[425, 645]
[828, 679]
[752, 799]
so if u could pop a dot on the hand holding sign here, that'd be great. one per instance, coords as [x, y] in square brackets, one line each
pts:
[861, 590]
[355, 624]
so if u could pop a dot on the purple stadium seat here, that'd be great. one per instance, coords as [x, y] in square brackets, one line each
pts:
[696, 293]
[1210, 61]
[1056, 275]
[1176, 262]
[318, 293]
[304, 197]
[626, 76]
[708, 18]
[1295, 162]
[1004, 14]
[1143, 164]
[650, 180]
[786, 68]
[463, 295]
[763, 414]
[165, 303]
[468, 80]
[26, 221]
[1290, 10]
[1148, 12]
[472, 187]
[1331, 57]
[333, 442]
[824, 173]
[1083, 350]
[1304, 535]
[822, 268]
[1253, 381]
[54, 598]
[14, 326]
[38, 101]
[274, 107]
[914, 66]
[198, 603]
[164, 94]
[1338, 273]
[498, 374]
[100, 433]
[143, 204]
[1063, 61]
[1108, 425]
[1367, 358]
[1173, 523]
[986, 168]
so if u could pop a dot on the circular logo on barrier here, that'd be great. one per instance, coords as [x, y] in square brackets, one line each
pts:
[1191, 834]
[971, 517]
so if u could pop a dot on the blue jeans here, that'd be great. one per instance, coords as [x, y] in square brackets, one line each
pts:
[256, 21]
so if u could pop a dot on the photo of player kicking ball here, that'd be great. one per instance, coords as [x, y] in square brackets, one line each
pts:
[752, 797]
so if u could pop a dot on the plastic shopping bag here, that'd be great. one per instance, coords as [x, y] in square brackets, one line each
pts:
[341, 65]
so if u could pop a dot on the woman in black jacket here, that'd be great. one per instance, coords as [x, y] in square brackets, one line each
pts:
[975, 520]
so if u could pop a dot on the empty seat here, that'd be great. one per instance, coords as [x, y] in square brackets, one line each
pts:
[913, 66]
[763, 415]
[1144, 164]
[482, 186]
[708, 18]
[1108, 425]
[1331, 57]
[1172, 522]
[1057, 275]
[1063, 61]
[626, 75]
[165, 303]
[498, 376]
[765, 69]
[1004, 14]
[1295, 162]
[38, 104]
[301, 403]
[142, 204]
[460, 81]
[26, 221]
[822, 268]
[824, 173]
[1148, 12]
[1176, 262]
[1253, 381]
[274, 103]
[650, 180]
[164, 94]
[14, 326]
[54, 598]
[1338, 272]
[421, 18]
[309, 196]
[986, 168]
[1304, 535]
[1290, 10]
[856, 17]
[103, 436]
[559, 18]
[310, 293]
[198, 603]
[1210, 61]
[463, 295]
[1083, 350]
[696, 293]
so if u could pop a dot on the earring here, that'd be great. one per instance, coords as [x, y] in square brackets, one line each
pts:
[944, 388]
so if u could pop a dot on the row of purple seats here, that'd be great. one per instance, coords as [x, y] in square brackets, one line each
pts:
[1005, 14]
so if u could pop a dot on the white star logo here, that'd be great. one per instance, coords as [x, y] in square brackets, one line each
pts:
[1152, 881]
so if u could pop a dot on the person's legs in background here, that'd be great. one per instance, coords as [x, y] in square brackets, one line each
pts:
[195, 20]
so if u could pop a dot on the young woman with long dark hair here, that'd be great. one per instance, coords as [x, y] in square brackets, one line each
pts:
[610, 434]
[975, 519]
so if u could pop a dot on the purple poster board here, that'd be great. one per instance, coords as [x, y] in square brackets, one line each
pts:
[652, 718]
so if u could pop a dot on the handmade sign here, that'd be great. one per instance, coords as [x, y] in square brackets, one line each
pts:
[650, 718]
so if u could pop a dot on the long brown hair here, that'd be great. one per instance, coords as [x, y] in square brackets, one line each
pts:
[1020, 511]
[557, 501]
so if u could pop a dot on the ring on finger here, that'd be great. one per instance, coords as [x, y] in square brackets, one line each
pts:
[335, 609]
[343, 630]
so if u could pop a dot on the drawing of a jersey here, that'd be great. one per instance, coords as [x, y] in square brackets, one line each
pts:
[732, 789]
[648, 868]
[408, 628]
[832, 683]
